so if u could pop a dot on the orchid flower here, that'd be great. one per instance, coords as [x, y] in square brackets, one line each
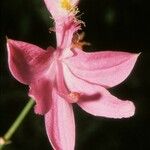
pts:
[59, 77]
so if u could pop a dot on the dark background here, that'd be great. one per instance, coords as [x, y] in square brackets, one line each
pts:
[110, 25]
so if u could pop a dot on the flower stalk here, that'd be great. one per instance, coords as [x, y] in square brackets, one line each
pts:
[7, 136]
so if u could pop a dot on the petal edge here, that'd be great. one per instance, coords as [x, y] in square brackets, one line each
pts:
[60, 126]
[106, 68]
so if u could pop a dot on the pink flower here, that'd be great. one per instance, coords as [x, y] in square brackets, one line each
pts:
[65, 75]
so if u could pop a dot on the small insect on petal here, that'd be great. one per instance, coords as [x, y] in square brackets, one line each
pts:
[74, 97]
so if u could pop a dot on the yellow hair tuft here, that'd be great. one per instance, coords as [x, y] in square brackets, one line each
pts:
[66, 4]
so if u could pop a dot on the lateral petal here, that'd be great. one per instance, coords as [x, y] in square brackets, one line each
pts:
[106, 68]
[60, 125]
[97, 100]
[26, 61]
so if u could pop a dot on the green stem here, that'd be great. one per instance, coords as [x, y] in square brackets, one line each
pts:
[16, 123]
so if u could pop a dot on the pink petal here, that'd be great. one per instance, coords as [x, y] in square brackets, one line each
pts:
[41, 92]
[26, 61]
[52, 6]
[41, 89]
[108, 106]
[67, 53]
[97, 100]
[60, 126]
[106, 68]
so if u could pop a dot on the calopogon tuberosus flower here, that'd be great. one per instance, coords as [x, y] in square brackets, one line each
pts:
[59, 77]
